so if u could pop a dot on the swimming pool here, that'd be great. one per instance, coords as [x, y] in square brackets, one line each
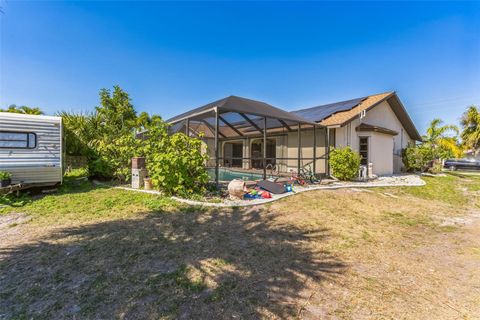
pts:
[225, 174]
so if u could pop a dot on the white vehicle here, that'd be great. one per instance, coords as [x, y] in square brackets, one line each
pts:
[31, 149]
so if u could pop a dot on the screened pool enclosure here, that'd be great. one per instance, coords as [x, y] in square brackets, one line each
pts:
[253, 136]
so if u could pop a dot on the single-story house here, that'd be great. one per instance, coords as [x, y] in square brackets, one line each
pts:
[235, 131]
[377, 126]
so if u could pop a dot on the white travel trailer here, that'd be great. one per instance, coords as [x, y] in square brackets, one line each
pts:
[31, 149]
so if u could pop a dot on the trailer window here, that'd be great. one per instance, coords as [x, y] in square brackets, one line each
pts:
[17, 140]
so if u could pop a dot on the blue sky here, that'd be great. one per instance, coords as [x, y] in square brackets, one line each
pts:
[172, 57]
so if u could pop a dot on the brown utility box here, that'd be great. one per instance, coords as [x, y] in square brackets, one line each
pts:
[138, 163]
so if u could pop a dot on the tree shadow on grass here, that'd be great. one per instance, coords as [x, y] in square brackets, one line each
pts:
[187, 265]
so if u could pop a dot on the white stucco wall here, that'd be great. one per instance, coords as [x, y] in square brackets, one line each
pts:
[385, 150]
[383, 116]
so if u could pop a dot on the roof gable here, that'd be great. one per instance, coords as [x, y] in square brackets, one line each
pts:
[402, 115]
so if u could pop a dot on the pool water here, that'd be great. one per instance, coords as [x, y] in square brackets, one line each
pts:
[228, 174]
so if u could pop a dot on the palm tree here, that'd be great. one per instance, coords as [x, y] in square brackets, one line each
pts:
[80, 131]
[22, 109]
[439, 138]
[471, 129]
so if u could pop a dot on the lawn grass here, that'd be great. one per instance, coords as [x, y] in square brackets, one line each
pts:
[445, 189]
[91, 251]
[80, 200]
[448, 188]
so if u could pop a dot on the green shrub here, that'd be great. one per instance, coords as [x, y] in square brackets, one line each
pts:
[344, 163]
[417, 157]
[113, 159]
[13, 200]
[100, 168]
[5, 175]
[175, 163]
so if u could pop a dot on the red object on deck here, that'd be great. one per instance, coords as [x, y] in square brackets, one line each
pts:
[266, 195]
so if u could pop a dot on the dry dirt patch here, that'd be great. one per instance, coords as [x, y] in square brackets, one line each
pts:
[401, 263]
[344, 254]
[187, 265]
[12, 219]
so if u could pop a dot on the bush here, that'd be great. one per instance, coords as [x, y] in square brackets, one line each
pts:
[5, 175]
[417, 158]
[345, 163]
[436, 167]
[13, 200]
[175, 163]
[114, 159]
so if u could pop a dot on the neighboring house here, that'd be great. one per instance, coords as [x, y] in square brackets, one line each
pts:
[376, 126]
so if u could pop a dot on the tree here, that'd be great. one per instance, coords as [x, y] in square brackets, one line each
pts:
[113, 143]
[440, 140]
[22, 109]
[176, 163]
[471, 129]
[116, 111]
[104, 136]
[144, 120]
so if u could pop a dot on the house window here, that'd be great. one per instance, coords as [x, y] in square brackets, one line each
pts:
[17, 140]
[363, 148]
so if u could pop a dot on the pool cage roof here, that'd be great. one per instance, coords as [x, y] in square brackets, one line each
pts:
[237, 118]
